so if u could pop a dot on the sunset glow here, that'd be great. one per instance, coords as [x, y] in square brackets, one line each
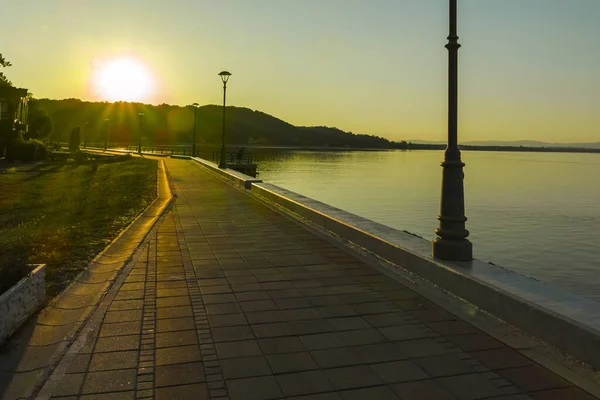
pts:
[123, 79]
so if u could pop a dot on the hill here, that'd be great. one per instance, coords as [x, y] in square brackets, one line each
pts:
[174, 125]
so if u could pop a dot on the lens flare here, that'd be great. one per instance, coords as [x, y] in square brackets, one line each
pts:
[123, 79]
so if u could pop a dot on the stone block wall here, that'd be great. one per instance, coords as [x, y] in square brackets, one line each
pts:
[21, 301]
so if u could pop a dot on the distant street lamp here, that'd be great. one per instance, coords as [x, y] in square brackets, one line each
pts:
[452, 243]
[85, 133]
[141, 127]
[224, 77]
[195, 105]
[106, 133]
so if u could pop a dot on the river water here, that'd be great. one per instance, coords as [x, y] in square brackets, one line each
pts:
[535, 213]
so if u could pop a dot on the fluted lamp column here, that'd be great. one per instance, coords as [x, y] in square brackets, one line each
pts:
[452, 243]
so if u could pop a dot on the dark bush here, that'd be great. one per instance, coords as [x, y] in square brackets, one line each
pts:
[26, 150]
[13, 262]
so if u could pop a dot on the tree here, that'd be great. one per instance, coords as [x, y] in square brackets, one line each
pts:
[3, 63]
[40, 124]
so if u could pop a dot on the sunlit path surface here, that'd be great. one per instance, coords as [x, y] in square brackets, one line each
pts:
[229, 299]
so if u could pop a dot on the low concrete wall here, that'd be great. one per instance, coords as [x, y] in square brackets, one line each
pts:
[562, 319]
[236, 177]
[21, 301]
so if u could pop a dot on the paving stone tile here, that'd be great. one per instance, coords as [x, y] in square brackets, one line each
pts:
[174, 312]
[289, 304]
[219, 298]
[232, 333]
[258, 305]
[281, 345]
[469, 387]
[399, 371]
[109, 381]
[446, 365]
[258, 388]
[309, 326]
[246, 367]
[333, 311]
[179, 338]
[69, 385]
[304, 383]
[196, 391]
[353, 377]
[264, 317]
[320, 396]
[129, 295]
[323, 341]
[452, 327]
[380, 352]
[425, 347]
[252, 295]
[223, 320]
[174, 324]
[218, 309]
[213, 281]
[276, 329]
[379, 393]
[363, 336]
[291, 362]
[120, 305]
[172, 301]
[123, 316]
[389, 319]
[171, 285]
[421, 390]
[533, 378]
[501, 358]
[117, 343]
[239, 349]
[570, 393]
[348, 323]
[177, 355]
[432, 315]
[179, 374]
[128, 395]
[338, 357]
[114, 360]
[220, 289]
[475, 342]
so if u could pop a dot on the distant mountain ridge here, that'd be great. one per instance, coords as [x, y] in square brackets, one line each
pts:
[524, 143]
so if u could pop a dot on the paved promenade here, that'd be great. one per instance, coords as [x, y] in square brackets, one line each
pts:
[230, 300]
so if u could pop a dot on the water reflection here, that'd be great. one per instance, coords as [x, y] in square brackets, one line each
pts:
[534, 213]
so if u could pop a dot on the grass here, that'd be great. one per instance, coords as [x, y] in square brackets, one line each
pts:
[63, 214]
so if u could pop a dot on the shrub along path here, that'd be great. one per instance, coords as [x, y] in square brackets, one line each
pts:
[63, 214]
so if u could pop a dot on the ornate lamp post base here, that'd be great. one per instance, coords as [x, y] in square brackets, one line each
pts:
[452, 250]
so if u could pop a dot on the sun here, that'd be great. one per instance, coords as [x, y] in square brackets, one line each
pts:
[123, 79]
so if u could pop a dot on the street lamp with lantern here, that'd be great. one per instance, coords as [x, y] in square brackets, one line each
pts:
[222, 160]
[452, 243]
[195, 105]
[141, 114]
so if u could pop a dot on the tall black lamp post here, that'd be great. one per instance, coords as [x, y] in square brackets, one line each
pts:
[222, 160]
[141, 129]
[195, 105]
[106, 133]
[452, 243]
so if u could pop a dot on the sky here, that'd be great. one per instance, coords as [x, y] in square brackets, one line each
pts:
[528, 69]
